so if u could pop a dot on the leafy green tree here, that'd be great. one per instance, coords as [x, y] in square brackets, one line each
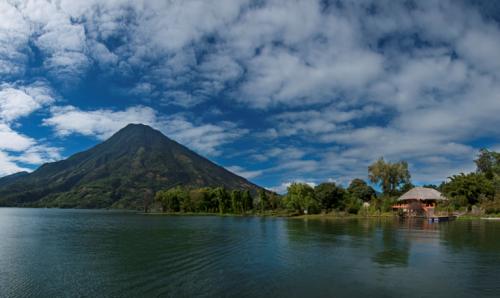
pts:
[359, 189]
[274, 201]
[237, 201]
[488, 163]
[433, 186]
[390, 176]
[199, 199]
[301, 198]
[329, 195]
[171, 199]
[352, 204]
[187, 203]
[223, 199]
[469, 188]
[247, 200]
[263, 200]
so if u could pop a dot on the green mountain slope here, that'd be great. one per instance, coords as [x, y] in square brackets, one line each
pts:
[121, 172]
[6, 180]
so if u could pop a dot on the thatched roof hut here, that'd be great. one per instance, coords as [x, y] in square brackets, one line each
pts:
[422, 194]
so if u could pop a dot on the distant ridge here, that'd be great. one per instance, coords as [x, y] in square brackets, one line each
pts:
[118, 173]
[6, 180]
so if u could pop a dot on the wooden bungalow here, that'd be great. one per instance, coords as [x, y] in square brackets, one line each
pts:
[418, 201]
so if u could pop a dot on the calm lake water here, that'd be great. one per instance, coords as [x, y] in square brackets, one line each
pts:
[80, 253]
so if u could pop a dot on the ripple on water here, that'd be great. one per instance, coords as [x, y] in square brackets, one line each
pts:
[55, 253]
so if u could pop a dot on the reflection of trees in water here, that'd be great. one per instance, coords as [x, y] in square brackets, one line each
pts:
[389, 241]
[381, 238]
[475, 245]
[391, 246]
[329, 231]
[477, 235]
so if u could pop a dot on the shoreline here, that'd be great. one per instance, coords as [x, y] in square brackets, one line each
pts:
[282, 214]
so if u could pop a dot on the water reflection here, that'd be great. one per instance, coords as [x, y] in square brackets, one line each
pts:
[86, 253]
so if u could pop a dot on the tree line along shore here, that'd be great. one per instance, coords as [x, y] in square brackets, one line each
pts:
[476, 193]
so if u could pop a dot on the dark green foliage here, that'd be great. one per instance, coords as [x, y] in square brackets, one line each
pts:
[247, 200]
[275, 201]
[431, 186]
[468, 188]
[329, 195]
[207, 200]
[352, 204]
[171, 200]
[263, 200]
[123, 172]
[223, 200]
[361, 190]
[236, 202]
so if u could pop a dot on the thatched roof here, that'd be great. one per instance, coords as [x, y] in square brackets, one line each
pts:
[422, 193]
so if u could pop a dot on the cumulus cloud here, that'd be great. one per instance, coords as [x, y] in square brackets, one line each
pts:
[21, 100]
[350, 80]
[8, 166]
[240, 171]
[12, 140]
[102, 123]
[14, 36]
[18, 151]
[283, 187]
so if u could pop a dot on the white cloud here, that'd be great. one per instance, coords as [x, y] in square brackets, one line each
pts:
[244, 173]
[205, 138]
[8, 166]
[18, 150]
[39, 154]
[356, 81]
[283, 187]
[18, 101]
[14, 35]
[12, 140]
[102, 123]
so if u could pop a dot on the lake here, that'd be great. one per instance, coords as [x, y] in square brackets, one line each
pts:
[72, 253]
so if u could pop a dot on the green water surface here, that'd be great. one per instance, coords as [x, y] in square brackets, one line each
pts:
[82, 253]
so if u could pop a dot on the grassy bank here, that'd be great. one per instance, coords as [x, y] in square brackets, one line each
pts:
[476, 217]
[278, 213]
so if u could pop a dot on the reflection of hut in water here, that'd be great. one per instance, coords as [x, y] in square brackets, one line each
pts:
[419, 201]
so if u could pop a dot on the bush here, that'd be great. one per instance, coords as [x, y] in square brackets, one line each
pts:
[491, 207]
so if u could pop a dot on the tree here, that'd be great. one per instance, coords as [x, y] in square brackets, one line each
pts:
[389, 175]
[247, 201]
[171, 199]
[329, 195]
[274, 201]
[200, 199]
[263, 200]
[469, 188]
[488, 163]
[148, 194]
[223, 199]
[352, 204]
[433, 186]
[237, 201]
[301, 198]
[361, 190]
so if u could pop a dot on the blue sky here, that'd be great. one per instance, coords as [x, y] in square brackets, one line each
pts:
[277, 91]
